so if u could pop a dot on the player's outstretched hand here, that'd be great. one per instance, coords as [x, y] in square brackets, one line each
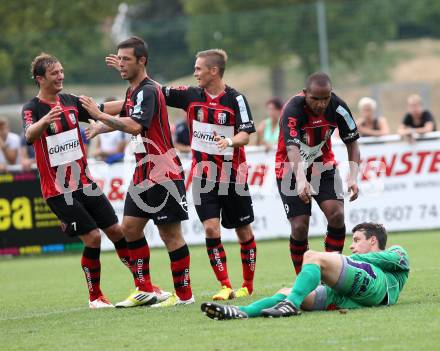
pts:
[92, 130]
[90, 106]
[354, 191]
[112, 60]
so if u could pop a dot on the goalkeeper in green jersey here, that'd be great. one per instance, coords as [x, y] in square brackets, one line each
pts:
[371, 276]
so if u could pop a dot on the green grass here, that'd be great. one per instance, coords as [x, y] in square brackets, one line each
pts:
[43, 307]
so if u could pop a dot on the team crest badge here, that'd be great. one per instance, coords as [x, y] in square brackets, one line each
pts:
[53, 128]
[221, 118]
[200, 114]
[72, 117]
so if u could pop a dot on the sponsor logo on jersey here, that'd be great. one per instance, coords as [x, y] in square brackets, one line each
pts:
[207, 136]
[66, 146]
[221, 118]
[246, 125]
[53, 128]
[200, 114]
[72, 117]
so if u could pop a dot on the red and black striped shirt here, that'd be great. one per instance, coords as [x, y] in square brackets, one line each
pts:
[156, 158]
[312, 134]
[59, 152]
[225, 115]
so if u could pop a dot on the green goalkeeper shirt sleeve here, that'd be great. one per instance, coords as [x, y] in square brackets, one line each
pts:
[395, 259]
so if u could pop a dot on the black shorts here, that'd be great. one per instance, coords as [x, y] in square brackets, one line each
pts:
[163, 203]
[328, 185]
[89, 209]
[223, 201]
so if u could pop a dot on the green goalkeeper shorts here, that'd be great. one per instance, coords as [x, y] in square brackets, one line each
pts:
[359, 285]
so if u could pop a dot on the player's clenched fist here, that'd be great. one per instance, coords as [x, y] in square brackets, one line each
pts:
[53, 115]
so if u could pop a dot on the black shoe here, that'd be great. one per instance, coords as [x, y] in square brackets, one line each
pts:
[282, 309]
[219, 312]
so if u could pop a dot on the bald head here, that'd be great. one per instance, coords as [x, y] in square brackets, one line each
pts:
[318, 92]
[319, 79]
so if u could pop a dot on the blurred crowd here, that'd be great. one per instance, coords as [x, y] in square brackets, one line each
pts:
[113, 147]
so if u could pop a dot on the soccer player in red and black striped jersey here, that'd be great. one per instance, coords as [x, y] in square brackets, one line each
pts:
[220, 123]
[51, 124]
[157, 190]
[305, 164]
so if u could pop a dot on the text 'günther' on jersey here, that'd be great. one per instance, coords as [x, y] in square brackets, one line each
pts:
[59, 151]
[156, 158]
[312, 134]
[225, 115]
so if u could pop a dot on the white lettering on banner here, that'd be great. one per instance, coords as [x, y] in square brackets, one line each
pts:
[138, 144]
[204, 134]
[64, 148]
[407, 198]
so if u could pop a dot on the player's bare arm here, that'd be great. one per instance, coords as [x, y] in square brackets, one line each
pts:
[96, 128]
[354, 158]
[35, 130]
[303, 187]
[113, 107]
[125, 124]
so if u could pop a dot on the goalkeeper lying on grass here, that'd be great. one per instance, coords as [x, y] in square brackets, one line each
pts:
[371, 276]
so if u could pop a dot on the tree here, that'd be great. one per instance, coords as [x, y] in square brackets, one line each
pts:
[163, 28]
[268, 32]
[71, 30]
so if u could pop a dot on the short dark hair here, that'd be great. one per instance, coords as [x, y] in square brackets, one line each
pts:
[319, 78]
[40, 64]
[139, 46]
[276, 102]
[373, 229]
[215, 58]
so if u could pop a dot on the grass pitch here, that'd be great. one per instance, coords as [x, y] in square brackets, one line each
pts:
[43, 306]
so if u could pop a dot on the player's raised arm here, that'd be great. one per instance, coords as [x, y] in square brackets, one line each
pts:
[125, 124]
[177, 97]
[34, 129]
[112, 107]
[112, 61]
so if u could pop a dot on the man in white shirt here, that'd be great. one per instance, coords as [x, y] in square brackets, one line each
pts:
[9, 145]
[111, 146]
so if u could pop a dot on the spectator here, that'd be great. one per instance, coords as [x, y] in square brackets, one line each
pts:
[416, 120]
[86, 142]
[27, 154]
[269, 130]
[110, 146]
[9, 146]
[369, 124]
[181, 137]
